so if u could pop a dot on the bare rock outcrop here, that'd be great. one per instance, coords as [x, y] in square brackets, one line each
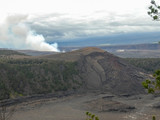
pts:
[103, 71]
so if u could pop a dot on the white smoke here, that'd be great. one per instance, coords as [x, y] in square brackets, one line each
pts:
[14, 33]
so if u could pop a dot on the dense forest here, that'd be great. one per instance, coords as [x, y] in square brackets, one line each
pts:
[22, 77]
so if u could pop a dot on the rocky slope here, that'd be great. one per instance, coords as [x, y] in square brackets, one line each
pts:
[100, 70]
[84, 70]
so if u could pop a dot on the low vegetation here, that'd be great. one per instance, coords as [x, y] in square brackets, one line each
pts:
[9, 52]
[148, 64]
[23, 77]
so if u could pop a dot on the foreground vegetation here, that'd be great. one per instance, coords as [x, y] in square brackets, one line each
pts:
[91, 116]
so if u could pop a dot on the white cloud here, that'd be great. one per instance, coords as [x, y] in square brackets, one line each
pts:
[14, 33]
[69, 19]
[65, 27]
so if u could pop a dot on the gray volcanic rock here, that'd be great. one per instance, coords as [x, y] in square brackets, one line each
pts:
[103, 71]
[107, 106]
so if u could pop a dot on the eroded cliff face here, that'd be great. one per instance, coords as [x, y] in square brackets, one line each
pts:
[103, 71]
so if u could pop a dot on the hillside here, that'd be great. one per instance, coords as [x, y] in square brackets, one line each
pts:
[147, 64]
[103, 71]
[25, 77]
[88, 69]
[73, 55]
[5, 52]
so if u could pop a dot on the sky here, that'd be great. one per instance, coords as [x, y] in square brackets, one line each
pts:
[42, 24]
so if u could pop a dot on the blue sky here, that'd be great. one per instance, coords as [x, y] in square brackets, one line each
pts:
[38, 24]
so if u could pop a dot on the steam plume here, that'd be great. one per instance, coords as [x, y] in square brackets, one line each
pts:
[14, 33]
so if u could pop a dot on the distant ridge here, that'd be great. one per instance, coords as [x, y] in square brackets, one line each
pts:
[9, 52]
[36, 53]
[149, 46]
[147, 50]
[73, 55]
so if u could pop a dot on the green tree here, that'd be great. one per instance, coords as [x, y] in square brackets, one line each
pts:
[154, 10]
[153, 118]
[153, 86]
[91, 116]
